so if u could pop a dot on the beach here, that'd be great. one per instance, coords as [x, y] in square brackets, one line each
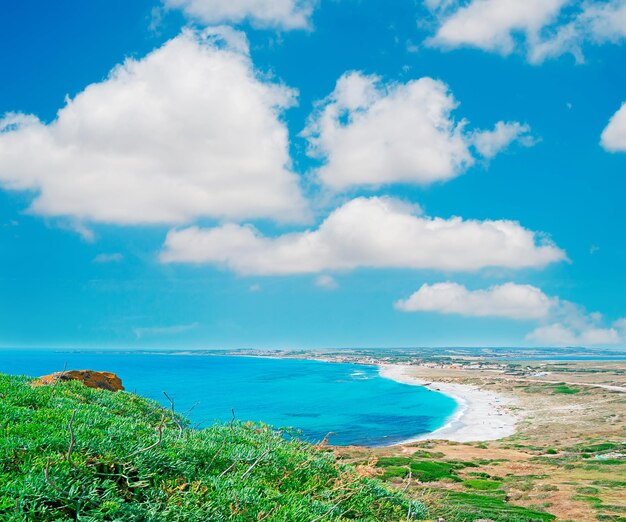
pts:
[480, 416]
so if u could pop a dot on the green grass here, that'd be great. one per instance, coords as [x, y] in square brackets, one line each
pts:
[599, 448]
[587, 490]
[610, 483]
[468, 507]
[564, 389]
[132, 460]
[480, 474]
[484, 500]
[482, 484]
[419, 469]
[594, 501]
[610, 518]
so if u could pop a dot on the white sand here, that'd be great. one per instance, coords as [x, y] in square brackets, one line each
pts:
[480, 415]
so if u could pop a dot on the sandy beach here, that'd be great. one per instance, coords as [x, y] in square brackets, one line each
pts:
[480, 416]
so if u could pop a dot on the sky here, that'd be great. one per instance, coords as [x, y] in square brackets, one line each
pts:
[312, 174]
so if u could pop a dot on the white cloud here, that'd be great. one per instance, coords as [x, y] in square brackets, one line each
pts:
[77, 227]
[492, 24]
[188, 131]
[508, 300]
[593, 22]
[542, 28]
[570, 325]
[558, 334]
[440, 5]
[614, 136]
[372, 133]
[374, 232]
[327, 282]
[604, 21]
[565, 40]
[108, 258]
[490, 143]
[562, 323]
[286, 14]
[620, 324]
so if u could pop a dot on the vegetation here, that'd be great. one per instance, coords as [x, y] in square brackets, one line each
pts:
[469, 507]
[568, 456]
[564, 389]
[569, 462]
[68, 452]
[481, 484]
[483, 498]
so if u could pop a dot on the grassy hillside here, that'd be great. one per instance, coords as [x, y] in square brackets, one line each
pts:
[68, 452]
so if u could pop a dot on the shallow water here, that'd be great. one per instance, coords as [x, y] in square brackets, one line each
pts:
[351, 401]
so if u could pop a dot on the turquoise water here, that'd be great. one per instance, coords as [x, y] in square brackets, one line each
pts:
[352, 401]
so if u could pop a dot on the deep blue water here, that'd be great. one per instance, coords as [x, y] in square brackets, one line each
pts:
[352, 401]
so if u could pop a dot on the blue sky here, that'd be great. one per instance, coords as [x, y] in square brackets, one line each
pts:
[312, 174]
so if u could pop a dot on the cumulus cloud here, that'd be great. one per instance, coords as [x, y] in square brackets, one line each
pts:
[571, 325]
[189, 131]
[593, 22]
[492, 24]
[286, 14]
[561, 322]
[543, 29]
[614, 136]
[490, 143]
[368, 132]
[365, 232]
[604, 21]
[558, 334]
[508, 300]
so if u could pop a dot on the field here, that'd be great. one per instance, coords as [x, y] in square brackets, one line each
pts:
[566, 462]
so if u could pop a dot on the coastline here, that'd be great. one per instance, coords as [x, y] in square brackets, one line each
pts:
[480, 416]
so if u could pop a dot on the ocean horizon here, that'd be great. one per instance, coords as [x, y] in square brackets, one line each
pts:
[351, 404]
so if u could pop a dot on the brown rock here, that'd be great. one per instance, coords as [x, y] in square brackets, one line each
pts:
[103, 380]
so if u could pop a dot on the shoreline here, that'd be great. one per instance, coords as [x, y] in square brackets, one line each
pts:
[480, 416]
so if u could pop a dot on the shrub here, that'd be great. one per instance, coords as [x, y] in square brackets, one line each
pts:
[68, 452]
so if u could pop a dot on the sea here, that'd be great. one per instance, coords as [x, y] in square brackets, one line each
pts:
[348, 403]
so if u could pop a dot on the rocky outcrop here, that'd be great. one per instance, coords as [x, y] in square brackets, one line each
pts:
[103, 380]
